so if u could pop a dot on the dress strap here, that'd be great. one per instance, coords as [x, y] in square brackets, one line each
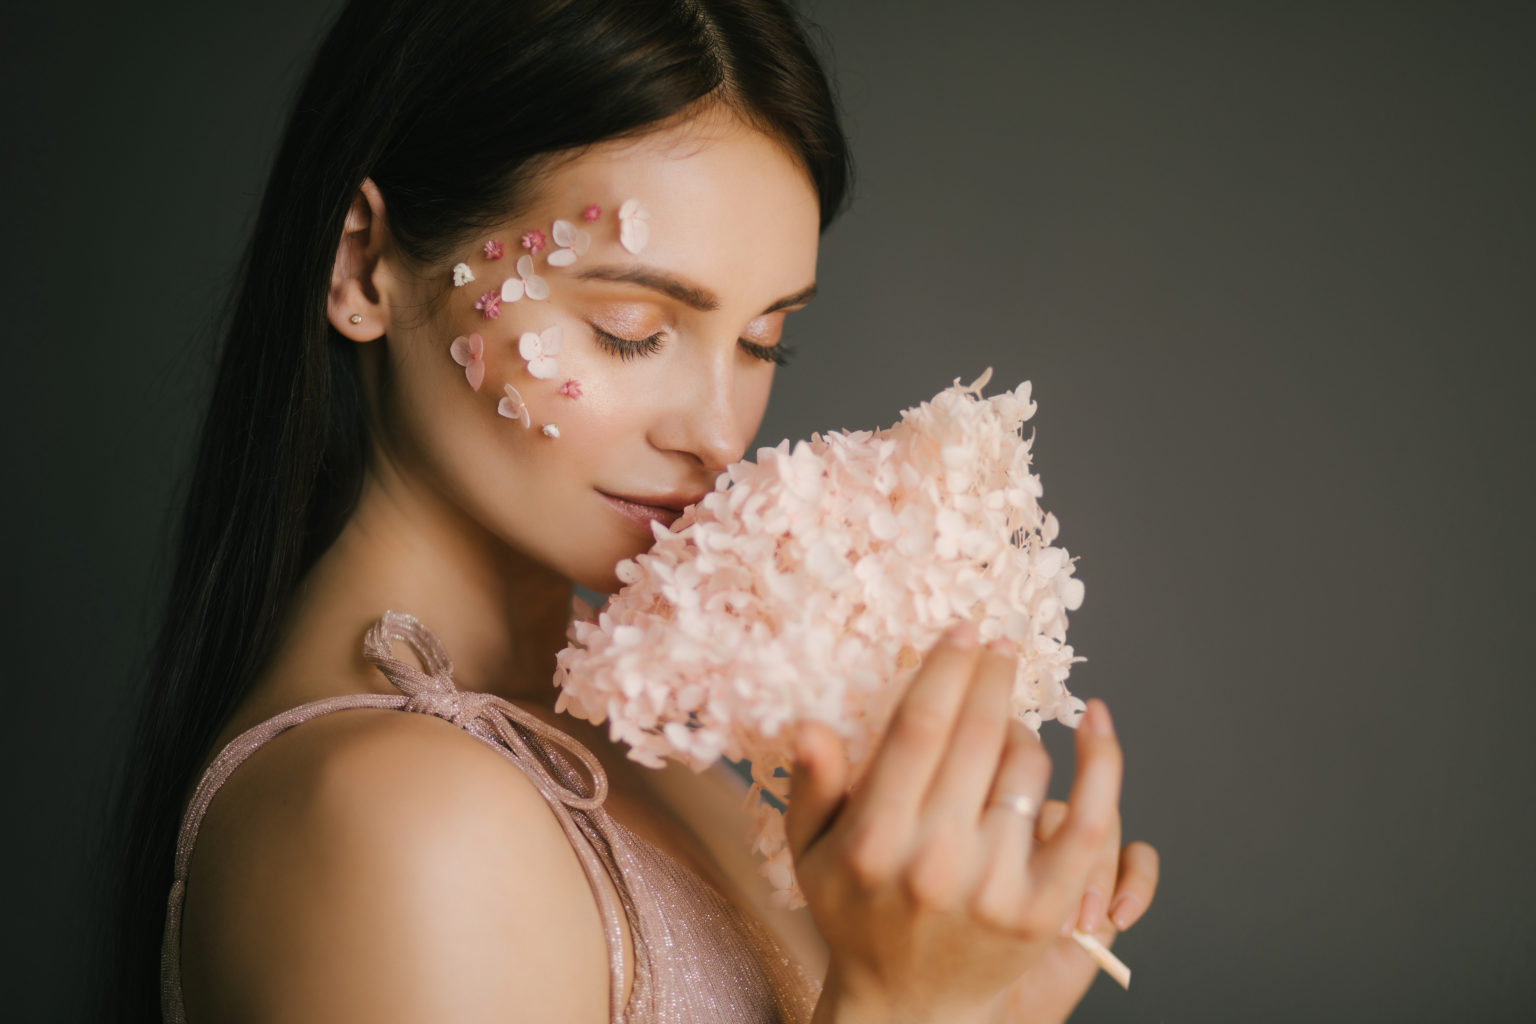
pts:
[486, 715]
[493, 720]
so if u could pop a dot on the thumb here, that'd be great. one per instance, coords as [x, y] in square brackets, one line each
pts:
[818, 783]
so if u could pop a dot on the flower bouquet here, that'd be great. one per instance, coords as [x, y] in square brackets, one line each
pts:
[806, 584]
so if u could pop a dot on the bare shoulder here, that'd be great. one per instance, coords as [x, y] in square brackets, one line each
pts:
[387, 866]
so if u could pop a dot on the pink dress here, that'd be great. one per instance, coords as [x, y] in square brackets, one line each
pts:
[697, 957]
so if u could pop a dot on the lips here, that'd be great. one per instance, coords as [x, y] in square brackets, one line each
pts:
[642, 511]
[676, 501]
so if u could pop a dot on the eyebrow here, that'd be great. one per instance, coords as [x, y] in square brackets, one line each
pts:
[689, 294]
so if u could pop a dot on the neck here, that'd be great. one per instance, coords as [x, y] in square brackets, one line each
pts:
[501, 615]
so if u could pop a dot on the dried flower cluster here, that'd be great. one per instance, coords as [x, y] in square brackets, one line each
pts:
[807, 586]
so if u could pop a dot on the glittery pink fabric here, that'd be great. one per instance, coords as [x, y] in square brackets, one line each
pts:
[697, 957]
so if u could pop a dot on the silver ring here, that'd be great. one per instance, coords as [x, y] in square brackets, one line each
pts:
[1018, 803]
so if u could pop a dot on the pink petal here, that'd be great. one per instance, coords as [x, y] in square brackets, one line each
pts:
[492, 250]
[475, 373]
[513, 407]
[591, 213]
[461, 351]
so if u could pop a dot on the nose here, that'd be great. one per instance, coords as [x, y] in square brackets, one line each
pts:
[704, 418]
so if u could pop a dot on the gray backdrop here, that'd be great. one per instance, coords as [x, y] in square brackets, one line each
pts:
[1270, 270]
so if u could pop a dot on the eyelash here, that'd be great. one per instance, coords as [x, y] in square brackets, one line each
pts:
[631, 348]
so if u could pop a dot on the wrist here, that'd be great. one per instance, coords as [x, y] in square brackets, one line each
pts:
[845, 1000]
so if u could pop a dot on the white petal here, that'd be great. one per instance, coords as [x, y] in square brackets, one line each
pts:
[562, 257]
[511, 290]
[544, 368]
[525, 266]
[581, 241]
[549, 339]
[629, 209]
[634, 234]
[550, 430]
[513, 407]
[564, 231]
[462, 275]
[528, 347]
[538, 288]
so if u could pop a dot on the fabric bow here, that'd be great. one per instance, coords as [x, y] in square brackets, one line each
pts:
[488, 716]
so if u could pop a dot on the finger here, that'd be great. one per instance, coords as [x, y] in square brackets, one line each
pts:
[1025, 770]
[970, 762]
[1051, 816]
[1092, 804]
[1139, 869]
[910, 749]
[1094, 910]
[817, 785]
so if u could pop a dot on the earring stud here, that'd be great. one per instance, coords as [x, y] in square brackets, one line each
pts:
[356, 318]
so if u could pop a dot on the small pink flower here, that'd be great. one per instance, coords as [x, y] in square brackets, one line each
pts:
[490, 305]
[492, 250]
[591, 213]
[571, 388]
[534, 241]
[470, 353]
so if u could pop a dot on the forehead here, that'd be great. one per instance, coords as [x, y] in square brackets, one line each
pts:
[729, 206]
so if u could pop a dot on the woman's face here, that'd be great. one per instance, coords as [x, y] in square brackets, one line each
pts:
[665, 355]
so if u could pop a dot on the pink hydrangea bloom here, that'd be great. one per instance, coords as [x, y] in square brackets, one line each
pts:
[591, 213]
[809, 582]
[534, 241]
[489, 304]
[493, 250]
[571, 388]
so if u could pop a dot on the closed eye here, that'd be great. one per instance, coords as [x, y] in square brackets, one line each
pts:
[632, 348]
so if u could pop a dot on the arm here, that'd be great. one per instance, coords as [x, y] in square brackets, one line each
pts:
[404, 873]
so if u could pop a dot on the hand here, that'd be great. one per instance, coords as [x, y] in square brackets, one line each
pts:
[933, 902]
[1052, 988]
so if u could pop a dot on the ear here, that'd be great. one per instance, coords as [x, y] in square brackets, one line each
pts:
[360, 275]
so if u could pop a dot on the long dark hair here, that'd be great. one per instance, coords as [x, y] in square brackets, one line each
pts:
[446, 105]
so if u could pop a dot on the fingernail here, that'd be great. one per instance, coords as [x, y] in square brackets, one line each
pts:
[1066, 928]
[1092, 914]
[1124, 912]
[962, 634]
[1097, 718]
[801, 747]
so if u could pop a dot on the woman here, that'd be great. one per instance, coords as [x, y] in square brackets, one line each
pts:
[517, 290]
